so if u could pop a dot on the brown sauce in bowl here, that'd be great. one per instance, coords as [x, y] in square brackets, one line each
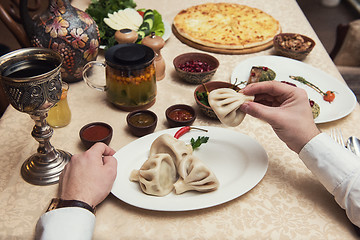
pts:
[141, 120]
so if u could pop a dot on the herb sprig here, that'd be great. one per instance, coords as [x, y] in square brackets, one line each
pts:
[196, 143]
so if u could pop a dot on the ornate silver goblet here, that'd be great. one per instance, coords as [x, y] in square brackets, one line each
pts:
[32, 82]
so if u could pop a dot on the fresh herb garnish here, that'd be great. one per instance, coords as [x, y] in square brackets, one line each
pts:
[203, 98]
[158, 27]
[200, 140]
[328, 96]
[99, 9]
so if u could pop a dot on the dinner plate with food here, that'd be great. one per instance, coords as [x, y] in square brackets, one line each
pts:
[172, 171]
[329, 98]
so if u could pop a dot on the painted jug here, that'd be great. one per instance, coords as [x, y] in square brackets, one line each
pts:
[67, 30]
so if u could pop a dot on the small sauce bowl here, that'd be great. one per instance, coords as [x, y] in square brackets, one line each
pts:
[141, 122]
[95, 132]
[180, 115]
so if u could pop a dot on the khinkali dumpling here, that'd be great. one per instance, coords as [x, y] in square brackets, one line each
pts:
[194, 175]
[157, 175]
[176, 148]
[226, 103]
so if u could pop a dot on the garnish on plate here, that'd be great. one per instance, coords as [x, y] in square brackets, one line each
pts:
[315, 108]
[200, 140]
[146, 28]
[126, 18]
[194, 143]
[186, 129]
[103, 10]
[328, 96]
[260, 74]
[99, 9]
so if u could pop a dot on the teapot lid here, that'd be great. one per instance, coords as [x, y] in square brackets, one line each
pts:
[129, 56]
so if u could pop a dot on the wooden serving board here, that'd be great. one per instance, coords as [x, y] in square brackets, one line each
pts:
[220, 50]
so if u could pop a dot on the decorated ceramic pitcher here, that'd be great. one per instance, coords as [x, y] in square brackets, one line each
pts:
[67, 30]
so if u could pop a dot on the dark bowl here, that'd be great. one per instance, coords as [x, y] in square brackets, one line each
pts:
[178, 122]
[287, 45]
[196, 77]
[207, 110]
[141, 122]
[95, 132]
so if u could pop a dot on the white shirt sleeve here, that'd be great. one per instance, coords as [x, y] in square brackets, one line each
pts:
[338, 169]
[66, 223]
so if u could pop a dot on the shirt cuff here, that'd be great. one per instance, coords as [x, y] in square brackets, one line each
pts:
[331, 163]
[66, 223]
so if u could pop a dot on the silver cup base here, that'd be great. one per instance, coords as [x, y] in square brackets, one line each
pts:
[36, 172]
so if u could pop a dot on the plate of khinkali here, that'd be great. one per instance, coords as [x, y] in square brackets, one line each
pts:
[238, 161]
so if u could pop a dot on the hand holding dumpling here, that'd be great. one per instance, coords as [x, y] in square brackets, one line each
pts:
[226, 104]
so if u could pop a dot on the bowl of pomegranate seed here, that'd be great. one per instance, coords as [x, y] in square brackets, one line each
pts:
[195, 67]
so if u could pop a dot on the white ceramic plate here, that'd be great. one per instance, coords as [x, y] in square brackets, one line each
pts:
[345, 100]
[238, 161]
[167, 32]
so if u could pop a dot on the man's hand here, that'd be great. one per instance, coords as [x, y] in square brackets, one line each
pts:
[286, 108]
[89, 176]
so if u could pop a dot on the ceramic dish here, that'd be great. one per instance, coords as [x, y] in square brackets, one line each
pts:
[238, 161]
[95, 132]
[141, 122]
[292, 52]
[192, 76]
[185, 109]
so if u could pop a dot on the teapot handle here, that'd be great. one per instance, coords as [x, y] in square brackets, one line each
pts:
[87, 72]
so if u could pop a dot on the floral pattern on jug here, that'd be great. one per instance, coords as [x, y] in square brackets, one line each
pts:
[67, 30]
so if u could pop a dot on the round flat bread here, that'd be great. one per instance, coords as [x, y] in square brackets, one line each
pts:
[226, 25]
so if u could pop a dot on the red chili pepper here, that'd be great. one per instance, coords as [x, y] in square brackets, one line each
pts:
[186, 129]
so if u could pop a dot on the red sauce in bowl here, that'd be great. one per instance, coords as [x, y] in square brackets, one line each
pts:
[95, 132]
[180, 115]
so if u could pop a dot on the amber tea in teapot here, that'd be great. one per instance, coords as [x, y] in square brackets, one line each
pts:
[130, 76]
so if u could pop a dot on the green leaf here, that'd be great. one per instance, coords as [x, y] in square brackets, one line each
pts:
[158, 26]
[203, 98]
[200, 140]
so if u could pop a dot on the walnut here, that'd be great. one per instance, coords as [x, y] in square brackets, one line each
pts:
[295, 43]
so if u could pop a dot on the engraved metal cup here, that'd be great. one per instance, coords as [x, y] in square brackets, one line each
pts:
[35, 93]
